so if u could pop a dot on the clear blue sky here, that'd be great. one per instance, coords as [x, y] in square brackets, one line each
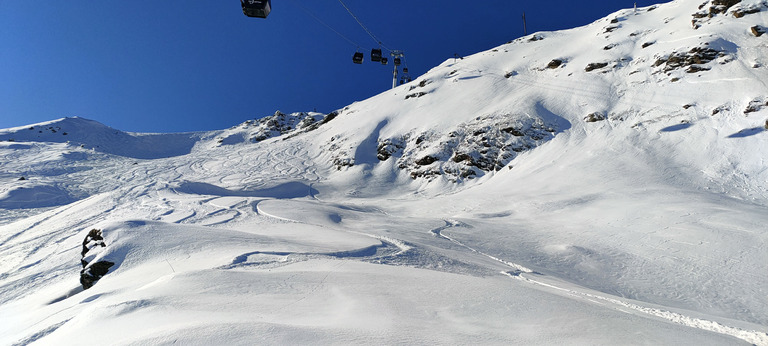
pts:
[176, 66]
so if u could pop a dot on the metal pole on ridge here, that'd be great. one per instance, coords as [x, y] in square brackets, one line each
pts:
[525, 28]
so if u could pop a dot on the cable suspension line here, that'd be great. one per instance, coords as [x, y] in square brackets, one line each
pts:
[363, 26]
[308, 12]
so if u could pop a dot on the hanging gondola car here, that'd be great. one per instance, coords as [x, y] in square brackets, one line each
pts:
[397, 61]
[256, 8]
[376, 55]
[357, 58]
[384, 61]
[405, 70]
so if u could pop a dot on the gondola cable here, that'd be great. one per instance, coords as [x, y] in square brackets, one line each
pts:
[309, 13]
[363, 26]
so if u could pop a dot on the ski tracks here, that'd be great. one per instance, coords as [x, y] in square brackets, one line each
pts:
[518, 271]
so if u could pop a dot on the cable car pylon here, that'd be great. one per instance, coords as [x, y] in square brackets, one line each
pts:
[396, 55]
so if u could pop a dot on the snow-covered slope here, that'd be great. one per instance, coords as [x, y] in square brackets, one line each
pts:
[89, 134]
[600, 185]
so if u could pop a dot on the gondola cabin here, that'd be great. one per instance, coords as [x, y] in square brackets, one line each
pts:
[375, 55]
[397, 61]
[357, 58]
[384, 61]
[256, 8]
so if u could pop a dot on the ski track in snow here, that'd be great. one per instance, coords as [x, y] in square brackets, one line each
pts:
[751, 336]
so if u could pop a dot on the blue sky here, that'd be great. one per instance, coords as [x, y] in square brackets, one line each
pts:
[176, 66]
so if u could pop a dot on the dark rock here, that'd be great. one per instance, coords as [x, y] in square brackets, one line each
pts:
[415, 95]
[513, 131]
[755, 106]
[696, 68]
[696, 56]
[389, 147]
[462, 157]
[92, 272]
[757, 31]
[22, 178]
[330, 116]
[554, 64]
[594, 117]
[718, 110]
[744, 12]
[648, 44]
[595, 66]
[726, 3]
[426, 160]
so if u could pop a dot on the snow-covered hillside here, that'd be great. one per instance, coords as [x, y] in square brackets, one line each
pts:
[600, 185]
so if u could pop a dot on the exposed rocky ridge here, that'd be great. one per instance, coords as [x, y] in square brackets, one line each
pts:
[693, 59]
[278, 124]
[485, 144]
[736, 8]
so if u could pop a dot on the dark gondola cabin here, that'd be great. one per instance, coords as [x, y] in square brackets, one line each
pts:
[357, 58]
[384, 61]
[397, 61]
[376, 55]
[256, 8]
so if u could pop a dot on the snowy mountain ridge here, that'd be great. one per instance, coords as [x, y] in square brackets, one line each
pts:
[599, 185]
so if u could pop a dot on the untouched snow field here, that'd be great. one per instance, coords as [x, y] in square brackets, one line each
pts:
[523, 195]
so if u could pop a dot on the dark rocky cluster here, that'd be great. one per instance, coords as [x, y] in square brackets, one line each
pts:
[691, 59]
[595, 66]
[389, 147]
[483, 145]
[280, 124]
[92, 272]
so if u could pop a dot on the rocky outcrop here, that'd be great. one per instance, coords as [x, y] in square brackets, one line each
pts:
[691, 59]
[93, 271]
[595, 66]
[278, 124]
[757, 30]
[594, 117]
[555, 64]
